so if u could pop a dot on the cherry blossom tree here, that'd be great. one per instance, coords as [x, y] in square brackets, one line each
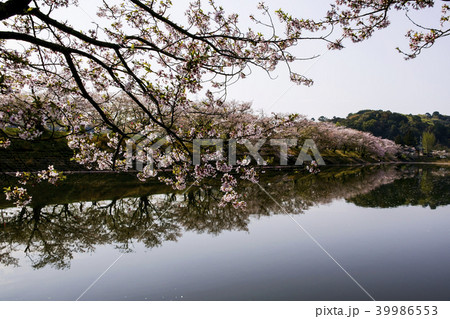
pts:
[359, 19]
[137, 72]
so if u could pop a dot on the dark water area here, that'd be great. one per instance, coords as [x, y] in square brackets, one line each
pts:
[108, 237]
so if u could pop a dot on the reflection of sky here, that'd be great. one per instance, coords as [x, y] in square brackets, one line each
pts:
[399, 253]
[365, 75]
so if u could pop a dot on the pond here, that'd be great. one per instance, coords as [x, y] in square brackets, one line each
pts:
[349, 233]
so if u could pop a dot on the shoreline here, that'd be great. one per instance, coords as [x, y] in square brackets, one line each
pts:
[279, 167]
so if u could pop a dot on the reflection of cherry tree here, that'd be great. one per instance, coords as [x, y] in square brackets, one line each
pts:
[424, 186]
[327, 186]
[50, 245]
[52, 234]
[201, 213]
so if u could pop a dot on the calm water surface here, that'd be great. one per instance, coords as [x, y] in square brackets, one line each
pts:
[389, 227]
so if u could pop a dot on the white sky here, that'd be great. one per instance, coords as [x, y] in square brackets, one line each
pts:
[368, 75]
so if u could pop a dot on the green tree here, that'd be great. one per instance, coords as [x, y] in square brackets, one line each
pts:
[428, 141]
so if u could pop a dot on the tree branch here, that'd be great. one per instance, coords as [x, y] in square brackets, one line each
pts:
[13, 7]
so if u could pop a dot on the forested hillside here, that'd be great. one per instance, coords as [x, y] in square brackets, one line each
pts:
[412, 130]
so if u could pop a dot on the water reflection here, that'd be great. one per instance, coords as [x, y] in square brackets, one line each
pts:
[425, 187]
[50, 234]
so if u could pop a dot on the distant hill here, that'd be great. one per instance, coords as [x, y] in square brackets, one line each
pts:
[401, 128]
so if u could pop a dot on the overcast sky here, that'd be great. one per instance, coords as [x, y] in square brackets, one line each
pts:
[368, 75]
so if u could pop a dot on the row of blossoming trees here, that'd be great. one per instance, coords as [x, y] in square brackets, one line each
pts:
[98, 149]
[136, 71]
